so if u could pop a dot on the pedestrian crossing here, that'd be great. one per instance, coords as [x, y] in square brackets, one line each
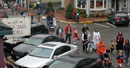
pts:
[105, 25]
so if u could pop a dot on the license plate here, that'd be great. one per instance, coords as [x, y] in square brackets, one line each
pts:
[122, 19]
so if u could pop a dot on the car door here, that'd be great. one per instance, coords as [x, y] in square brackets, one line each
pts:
[50, 38]
[61, 51]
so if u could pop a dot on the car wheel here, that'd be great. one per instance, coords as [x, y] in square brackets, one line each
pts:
[127, 24]
[45, 67]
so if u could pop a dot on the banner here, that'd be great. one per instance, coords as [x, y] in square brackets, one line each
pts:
[20, 26]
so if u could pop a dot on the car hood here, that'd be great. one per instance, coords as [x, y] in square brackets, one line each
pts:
[32, 62]
[23, 48]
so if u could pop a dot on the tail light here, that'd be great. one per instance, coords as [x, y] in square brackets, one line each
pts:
[118, 18]
[127, 18]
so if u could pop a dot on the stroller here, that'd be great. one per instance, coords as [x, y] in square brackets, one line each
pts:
[107, 61]
[88, 46]
[51, 27]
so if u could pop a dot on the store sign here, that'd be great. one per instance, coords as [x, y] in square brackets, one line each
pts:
[20, 26]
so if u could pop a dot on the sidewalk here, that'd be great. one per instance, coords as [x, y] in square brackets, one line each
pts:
[61, 18]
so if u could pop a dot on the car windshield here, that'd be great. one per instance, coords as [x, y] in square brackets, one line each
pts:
[121, 15]
[41, 52]
[34, 41]
[61, 64]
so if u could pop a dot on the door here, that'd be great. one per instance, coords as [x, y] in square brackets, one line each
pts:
[117, 5]
[61, 50]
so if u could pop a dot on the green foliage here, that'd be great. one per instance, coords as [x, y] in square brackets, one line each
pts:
[49, 7]
[82, 11]
[69, 12]
[61, 8]
[97, 15]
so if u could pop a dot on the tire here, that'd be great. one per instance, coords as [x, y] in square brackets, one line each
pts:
[45, 67]
[127, 24]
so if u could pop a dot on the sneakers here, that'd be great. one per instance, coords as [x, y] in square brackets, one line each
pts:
[127, 64]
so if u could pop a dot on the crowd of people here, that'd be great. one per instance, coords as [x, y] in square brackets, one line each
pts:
[120, 45]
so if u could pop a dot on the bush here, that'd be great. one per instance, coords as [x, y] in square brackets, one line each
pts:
[61, 8]
[49, 7]
[69, 12]
[82, 11]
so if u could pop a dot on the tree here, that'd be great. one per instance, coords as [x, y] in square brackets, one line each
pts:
[49, 7]
[69, 12]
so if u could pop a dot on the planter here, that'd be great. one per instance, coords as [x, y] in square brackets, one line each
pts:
[60, 11]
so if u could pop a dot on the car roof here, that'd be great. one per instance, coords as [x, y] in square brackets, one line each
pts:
[78, 60]
[40, 36]
[73, 59]
[53, 45]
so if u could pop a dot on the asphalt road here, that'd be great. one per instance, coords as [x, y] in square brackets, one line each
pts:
[108, 32]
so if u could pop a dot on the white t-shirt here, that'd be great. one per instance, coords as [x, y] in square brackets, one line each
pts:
[54, 21]
[96, 36]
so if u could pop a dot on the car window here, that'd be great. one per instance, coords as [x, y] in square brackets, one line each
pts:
[34, 41]
[61, 64]
[43, 29]
[41, 52]
[50, 38]
[61, 50]
[121, 15]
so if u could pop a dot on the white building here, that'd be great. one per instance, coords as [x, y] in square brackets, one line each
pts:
[99, 6]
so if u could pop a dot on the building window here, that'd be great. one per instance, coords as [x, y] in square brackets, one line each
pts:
[80, 4]
[125, 3]
[98, 4]
[92, 4]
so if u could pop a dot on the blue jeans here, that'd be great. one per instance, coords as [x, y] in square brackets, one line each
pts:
[127, 56]
[68, 36]
[31, 18]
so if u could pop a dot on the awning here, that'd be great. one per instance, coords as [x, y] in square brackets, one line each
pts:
[5, 30]
[45, 1]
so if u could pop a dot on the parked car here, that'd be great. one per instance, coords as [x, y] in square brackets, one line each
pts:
[119, 18]
[23, 49]
[44, 54]
[35, 29]
[75, 62]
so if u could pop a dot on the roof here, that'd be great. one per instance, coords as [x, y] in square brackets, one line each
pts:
[4, 29]
[41, 35]
[52, 45]
[45, 1]
[79, 61]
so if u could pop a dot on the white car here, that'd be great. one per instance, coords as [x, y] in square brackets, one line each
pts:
[44, 54]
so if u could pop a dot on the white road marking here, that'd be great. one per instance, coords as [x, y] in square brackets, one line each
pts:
[101, 25]
[111, 25]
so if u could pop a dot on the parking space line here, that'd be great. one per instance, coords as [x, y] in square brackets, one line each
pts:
[111, 25]
[101, 25]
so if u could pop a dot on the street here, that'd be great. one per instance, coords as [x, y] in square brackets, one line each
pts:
[108, 32]
[95, 13]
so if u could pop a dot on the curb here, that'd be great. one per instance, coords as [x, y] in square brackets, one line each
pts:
[88, 22]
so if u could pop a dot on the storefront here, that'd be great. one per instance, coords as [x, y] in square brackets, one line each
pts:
[92, 6]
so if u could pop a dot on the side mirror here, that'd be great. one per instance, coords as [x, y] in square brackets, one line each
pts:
[55, 57]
